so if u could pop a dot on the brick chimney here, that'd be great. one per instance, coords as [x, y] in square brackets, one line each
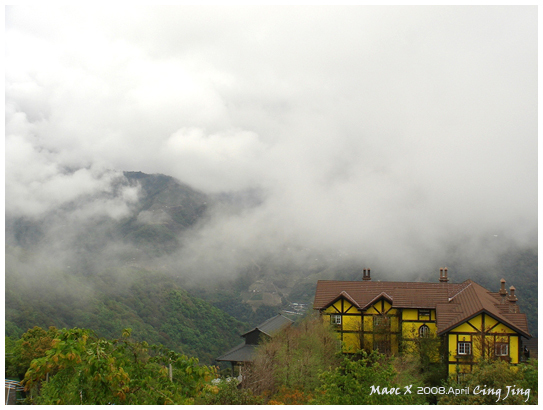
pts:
[443, 275]
[512, 299]
[366, 275]
[503, 292]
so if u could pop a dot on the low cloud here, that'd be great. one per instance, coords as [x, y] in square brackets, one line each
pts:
[398, 136]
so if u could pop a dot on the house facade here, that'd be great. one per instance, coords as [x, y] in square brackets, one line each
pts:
[470, 321]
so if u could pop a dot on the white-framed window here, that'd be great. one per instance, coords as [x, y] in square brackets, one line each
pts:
[464, 348]
[335, 319]
[501, 349]
[424, 331]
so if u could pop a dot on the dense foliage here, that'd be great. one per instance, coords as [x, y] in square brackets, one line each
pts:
[32, 345]
[489, 381]
[303, 366]
[300, 365]
[83, 369]
[152, 304]
[351, 383]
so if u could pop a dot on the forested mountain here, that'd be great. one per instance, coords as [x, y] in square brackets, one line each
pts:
[108, 272]
[105, 274]
[152, 304]
[164, 208]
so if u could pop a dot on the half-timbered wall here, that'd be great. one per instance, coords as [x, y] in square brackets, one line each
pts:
[389, 330]
[481, 336]
[416, 323]
[349, 328]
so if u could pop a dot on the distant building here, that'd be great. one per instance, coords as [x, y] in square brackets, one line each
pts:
[245, 352]
[471, 321]
[530, 348]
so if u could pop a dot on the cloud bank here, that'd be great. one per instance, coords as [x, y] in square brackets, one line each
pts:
[403, 136]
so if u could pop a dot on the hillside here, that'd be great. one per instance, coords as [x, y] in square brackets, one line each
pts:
[152, 304]
[107, 273]
[166, 208]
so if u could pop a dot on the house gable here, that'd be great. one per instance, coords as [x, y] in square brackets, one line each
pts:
[481, 336]
[254, 337]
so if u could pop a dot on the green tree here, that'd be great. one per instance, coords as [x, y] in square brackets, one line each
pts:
[360, 379]
[227, 392]
[491, 376]
[83, 369]
[421, 361]
[32, 345]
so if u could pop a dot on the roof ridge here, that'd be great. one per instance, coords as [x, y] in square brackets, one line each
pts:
[460, 291]
[261, 325]
[351, 299]
[377, 297]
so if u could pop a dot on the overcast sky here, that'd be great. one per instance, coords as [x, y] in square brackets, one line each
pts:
[389, 132]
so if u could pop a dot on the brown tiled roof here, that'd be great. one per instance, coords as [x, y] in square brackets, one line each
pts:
[454, 302]
[403, 294]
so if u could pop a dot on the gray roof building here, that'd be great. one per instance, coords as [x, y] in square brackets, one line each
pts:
[245, 351]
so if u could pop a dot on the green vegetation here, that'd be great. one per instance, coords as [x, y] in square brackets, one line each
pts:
[80, 368]
[32, 345]
[491, 376]
[231, 302]
[152, 304]
[351, 382]
[301, 365]
[107, 280]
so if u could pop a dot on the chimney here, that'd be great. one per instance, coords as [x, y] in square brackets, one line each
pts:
[366, 275]
[503, 292]
[513, 308]
[443, 275]
[512, 297]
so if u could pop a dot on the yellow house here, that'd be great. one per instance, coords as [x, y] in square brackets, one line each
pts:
[471, 321]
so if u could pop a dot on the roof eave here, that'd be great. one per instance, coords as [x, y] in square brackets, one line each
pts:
[342, 294]
[521, 332]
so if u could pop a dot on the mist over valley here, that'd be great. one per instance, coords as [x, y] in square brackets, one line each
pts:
[190, 172]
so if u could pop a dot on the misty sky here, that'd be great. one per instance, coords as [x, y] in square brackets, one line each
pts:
[394, 133]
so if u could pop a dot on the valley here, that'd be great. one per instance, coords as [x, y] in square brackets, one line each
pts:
[107, 274]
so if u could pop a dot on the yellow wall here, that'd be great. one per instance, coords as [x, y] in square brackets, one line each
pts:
[352, 323]
[493, 331]
[410, 330]
[464, 328]
[356, 332]
[351, 342]
[410, 314]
